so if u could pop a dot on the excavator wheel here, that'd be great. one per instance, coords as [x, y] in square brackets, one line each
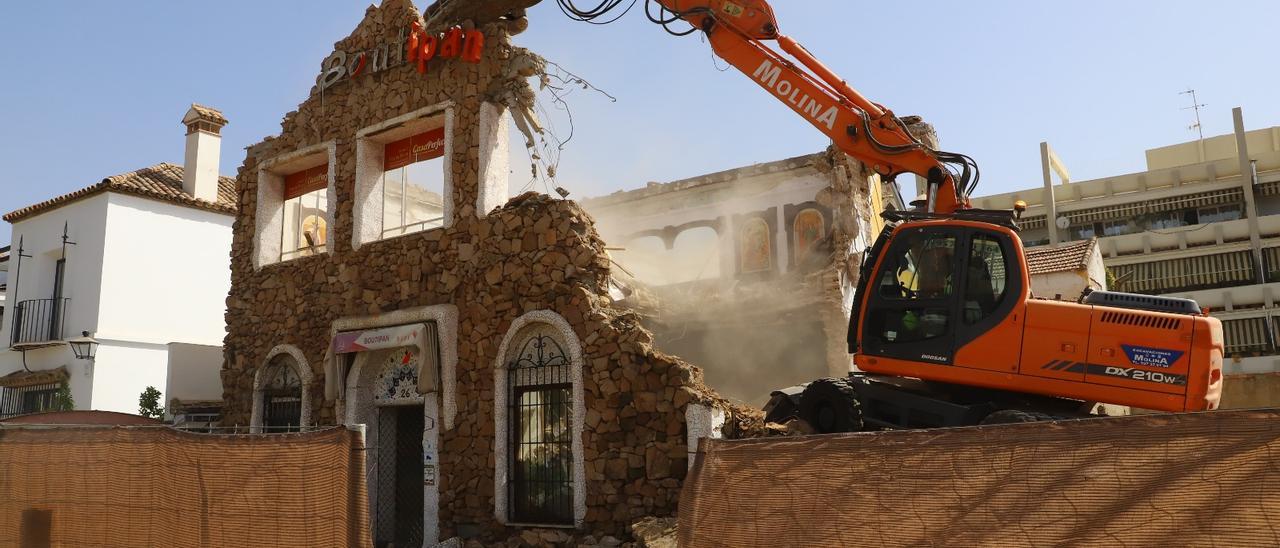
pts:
[1009, 416]
[831, 405]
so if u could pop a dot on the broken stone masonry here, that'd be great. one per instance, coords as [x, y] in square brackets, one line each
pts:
[752, 330]
[490, 267]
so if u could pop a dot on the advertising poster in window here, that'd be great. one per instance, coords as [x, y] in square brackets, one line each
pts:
[307, 180]
[423, 146]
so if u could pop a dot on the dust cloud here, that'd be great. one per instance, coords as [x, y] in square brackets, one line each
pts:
[750, 334]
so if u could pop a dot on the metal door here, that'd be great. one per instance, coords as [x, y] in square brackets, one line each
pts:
[398, 510]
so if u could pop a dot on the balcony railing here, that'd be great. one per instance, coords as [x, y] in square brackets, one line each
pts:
[39, 320]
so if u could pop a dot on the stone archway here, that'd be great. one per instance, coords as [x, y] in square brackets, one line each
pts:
[298, 361]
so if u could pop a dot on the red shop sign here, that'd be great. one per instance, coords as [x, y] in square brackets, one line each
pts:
[307, 180]
[415, 148]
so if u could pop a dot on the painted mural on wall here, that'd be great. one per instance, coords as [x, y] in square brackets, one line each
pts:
[397, 380]
[756, 253]
[809, 227]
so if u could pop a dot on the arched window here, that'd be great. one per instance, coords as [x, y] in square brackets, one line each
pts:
[281, 396]
[540, 399]
[695, 255]
[755, 252]
[809, 227]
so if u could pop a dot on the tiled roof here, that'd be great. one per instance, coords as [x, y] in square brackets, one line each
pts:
[160, 182]
[1069, 256]
[211, 114]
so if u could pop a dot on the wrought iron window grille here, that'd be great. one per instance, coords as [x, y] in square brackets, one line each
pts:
[541, 407]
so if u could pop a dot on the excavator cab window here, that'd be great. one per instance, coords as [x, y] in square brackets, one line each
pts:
[986, 280]
[937, 288]
[923, 269]
[915, 285]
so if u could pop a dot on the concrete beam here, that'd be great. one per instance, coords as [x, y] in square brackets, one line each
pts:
[1246, 185]
[1049, 162]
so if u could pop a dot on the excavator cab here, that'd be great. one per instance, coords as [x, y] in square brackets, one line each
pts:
[930, 287]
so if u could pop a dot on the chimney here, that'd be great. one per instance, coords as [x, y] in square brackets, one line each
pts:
[204, 147]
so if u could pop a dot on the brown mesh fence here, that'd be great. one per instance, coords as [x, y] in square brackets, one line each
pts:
[84, 486]
[1205, 479]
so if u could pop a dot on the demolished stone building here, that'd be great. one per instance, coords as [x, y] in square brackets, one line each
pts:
[749, 272]
[380, 277]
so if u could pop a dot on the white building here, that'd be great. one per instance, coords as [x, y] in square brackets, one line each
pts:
[4, 278]
[138, 261]
[1065, 271]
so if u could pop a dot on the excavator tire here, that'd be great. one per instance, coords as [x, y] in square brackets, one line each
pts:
[830, 405]
[1009, 416]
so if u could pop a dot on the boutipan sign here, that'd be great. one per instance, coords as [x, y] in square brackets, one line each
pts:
[347, 342]
[414, 46]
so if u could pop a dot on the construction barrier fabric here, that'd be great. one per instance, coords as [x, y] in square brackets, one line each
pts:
[1203, 479]
[135, 487]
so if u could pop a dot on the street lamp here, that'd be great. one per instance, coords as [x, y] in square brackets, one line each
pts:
[84, 346]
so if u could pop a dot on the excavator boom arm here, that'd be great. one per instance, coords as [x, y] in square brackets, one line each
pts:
[738, 30]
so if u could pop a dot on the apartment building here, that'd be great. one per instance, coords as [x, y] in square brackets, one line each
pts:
[1202, 222]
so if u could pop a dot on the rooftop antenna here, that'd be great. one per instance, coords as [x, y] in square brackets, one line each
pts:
[1195, 105]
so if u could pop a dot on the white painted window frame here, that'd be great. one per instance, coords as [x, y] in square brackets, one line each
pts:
[270, 209]
[370, 143]
[493, 169]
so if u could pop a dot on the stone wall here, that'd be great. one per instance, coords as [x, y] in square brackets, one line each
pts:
[535, 253]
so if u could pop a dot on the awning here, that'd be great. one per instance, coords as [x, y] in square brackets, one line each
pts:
[19, 379]
[1245, 335]
[1186, 273]
[1201, 199]
[422, 335]
[1028, 223]
[1123, 211]
[1271, 259]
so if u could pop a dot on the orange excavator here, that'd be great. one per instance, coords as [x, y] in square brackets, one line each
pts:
[944, 330]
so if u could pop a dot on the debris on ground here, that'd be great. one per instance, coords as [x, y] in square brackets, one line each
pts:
[652, 532]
